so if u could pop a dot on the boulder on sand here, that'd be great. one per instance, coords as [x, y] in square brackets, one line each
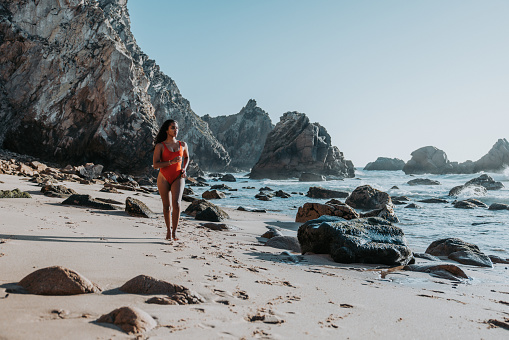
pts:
[137, 208]
[363, 240]
[311, 211]
[459, 251]
[57, 280]
[131, 320]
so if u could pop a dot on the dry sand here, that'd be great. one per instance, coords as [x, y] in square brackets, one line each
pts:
[237, 275]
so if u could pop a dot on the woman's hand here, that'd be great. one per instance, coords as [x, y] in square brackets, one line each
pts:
[183, 173]
[176, 160]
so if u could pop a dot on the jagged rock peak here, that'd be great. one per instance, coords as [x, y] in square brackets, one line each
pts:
[296, 146]
[242, 134]
[497, 159]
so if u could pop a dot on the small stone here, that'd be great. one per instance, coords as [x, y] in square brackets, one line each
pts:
[131, 320]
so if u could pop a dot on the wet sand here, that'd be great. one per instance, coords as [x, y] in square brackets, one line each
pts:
[241, 280]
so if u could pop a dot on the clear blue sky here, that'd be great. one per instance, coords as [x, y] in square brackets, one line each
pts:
[384, 77]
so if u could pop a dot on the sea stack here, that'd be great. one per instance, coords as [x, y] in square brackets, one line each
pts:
[295, 146]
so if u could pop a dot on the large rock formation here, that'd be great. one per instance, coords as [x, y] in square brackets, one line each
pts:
[75, 87]
[431, 160]
[242, 134]
[387, 164]
[295, 146]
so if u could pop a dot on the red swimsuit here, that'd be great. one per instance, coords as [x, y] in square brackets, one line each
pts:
[172, 171]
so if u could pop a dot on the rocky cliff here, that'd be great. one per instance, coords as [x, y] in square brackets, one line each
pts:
[243, 134]
[431, 160]
[75, 87]
[296, 146]
[165, 96]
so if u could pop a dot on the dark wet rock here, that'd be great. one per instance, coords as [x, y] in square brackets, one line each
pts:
[90, 170]
[464, 205]
[423, 181]
[185, 297]
[394, 187]
[412, 206]
[220, 187]
[241, 134]
[137, 208]
[15, 193]
[252, 210]
[228, 178]
[111, 190]
[367, 197]
[433, 200]
[282, 194]
[216, 226]
[396, 202]
[387, 212]
[200, 205]
[498, 259]
[88, 201]
[266, 189]
[108, 200]
[57, 281]
[148, 285]
[263, 197]
[187, 198]
[309, 177]
[319, 192]
[211, 214]
[296, 145]
[213, 194]
[364, 240]
[385, 164]
[443, 271]
[459, 251]
[131, 320]
[486, 181]
[284, 242]
[188, 191]
[426, 256]
[477, 202]
[472, 189]
[312, 211]
[499, 206]
[60, 191]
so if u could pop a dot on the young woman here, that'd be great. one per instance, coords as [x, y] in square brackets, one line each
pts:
[171, 157]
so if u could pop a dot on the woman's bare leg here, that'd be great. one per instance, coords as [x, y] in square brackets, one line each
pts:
[177, 189]
[164, 191]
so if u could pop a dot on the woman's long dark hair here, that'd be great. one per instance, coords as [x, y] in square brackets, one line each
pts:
[162, 135]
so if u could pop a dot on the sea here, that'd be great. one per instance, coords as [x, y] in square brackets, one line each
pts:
[488, 229]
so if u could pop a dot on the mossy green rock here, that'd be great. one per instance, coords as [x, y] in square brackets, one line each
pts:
[16, 193]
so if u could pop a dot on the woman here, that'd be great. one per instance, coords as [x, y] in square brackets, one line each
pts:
[171, 157]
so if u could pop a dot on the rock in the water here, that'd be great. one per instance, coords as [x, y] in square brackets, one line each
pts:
[477, 202]
[367, 197]
[57, 281]
[423, 181]
[212, 214]
[385, 164]
[443, 271]
[433, 200]
[213, 194]
[282, 194]
[486, 181]
[496, 160]
[221, 186]
[295, 146]
[309, 177]
[311, 211]
[364, 240]
[88, 201]
[459, 251]
[284, 242]
[499, 206]
[242, 133]
[252, 210]
[137, 208]
[387, 212]
[319, 192]
[498, 259]
[471, 190]
[228, 178]
[426, 256]
[412, 206]
[428, 160]
[200, 205]
[15, 193]
[464, 205]
[131, 320]
[148, 285]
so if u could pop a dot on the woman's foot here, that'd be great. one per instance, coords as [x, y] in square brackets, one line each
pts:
[174, 235]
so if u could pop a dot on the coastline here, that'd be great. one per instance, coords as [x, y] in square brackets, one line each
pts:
[238, 277]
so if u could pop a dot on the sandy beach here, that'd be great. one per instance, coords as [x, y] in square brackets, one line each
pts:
[239, 278]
